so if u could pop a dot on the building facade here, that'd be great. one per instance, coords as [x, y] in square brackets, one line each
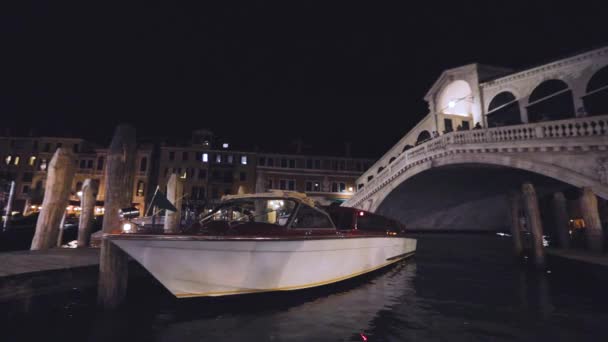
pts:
[209, 167]
[25, 160]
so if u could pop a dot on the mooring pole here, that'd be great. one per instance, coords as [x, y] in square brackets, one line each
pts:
[87, 213]
[175, 190]
[515, 206]
[60, 173]
[61, 227]
[119, 176]
[536, 227]
[593, 224]
[560, 215]
[9, 205]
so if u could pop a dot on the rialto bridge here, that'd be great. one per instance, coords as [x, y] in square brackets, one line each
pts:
[488, 130]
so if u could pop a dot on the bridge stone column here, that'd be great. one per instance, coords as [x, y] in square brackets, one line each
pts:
[515, 206]
[523, 110]
[593, 225]
[560, 215]
[534, 223]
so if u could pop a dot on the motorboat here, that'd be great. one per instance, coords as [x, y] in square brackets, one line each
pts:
[275, 241]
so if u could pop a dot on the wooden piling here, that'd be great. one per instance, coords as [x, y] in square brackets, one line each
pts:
[534, 223]
[515, 207]
[560, 216]
[175, 190]
[593, 226]
[9, 205]
[90, 188]
[119, 176]
[60, 173]
[61, 227]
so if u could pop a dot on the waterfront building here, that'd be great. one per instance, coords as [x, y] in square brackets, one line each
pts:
[25, 160]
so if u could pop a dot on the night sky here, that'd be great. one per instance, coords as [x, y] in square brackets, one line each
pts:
[263, 73]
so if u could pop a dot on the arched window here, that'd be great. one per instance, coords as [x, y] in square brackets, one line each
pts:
[406, 147]
[391, 160]
[370, 177]
[596, 100]
[550, 100]
[380, 169]
[422, 137]
[503, 110]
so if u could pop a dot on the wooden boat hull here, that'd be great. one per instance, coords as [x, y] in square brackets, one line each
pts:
[195, 267]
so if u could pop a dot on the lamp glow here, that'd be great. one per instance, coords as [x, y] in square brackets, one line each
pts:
[452, 104]
[127, 227]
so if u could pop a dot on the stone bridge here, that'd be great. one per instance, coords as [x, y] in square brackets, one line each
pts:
[573, 151]
[488, 130]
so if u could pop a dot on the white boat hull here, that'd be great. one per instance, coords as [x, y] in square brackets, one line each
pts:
[192, 268]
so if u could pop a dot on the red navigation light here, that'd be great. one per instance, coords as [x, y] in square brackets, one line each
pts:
[363, 337]
[361, 213]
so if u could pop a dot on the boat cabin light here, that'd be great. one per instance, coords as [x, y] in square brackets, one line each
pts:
[127, 227]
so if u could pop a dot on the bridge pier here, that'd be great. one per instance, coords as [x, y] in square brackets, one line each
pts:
[560, 215]
[515, 206]
[593, 225]
[535, 225]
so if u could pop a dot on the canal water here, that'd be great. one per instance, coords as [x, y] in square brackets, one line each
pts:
[459, 287]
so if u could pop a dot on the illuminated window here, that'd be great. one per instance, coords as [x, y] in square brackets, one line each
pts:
[140, 188]
[16, 160]
[244, 160]
[313, 186]
[218, 158]
[205, 157]
[32, 161]
[225, 145]
[8, 159]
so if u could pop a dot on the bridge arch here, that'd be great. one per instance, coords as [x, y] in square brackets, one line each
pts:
[596, 98]
[423, 136]
[550, 100]
[504, 110]
[552, 171]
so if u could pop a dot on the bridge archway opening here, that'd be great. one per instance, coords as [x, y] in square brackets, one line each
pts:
[550, 100]
[467, 197]
[503, 110]
[406, 147]
[596, 99]
[455, 99]
[423, 136]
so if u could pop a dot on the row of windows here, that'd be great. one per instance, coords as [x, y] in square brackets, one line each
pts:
[311, 164]
[310, 186]
[217, 158]
[20, 144]
[226, 176]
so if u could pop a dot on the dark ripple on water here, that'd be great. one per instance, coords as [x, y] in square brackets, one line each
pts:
[457, 288]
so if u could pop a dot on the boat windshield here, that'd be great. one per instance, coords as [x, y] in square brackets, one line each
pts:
[263, 210]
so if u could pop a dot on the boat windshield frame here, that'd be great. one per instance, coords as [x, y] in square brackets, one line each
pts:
[288, 225]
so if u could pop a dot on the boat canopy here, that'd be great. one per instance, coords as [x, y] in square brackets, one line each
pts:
[297, 196]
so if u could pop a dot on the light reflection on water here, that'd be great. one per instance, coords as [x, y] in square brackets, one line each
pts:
[457, 288]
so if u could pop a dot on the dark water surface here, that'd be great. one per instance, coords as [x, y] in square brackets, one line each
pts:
[457, 288]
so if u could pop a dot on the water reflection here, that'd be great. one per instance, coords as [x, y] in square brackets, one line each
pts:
[318, 315]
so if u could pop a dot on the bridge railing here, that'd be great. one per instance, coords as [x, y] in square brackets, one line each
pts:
[575, 127]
